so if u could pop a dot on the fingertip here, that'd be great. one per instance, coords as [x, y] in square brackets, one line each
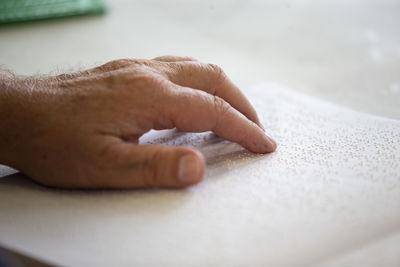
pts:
[270, 144]
[273, 144]
[259, 142]
[191, 168]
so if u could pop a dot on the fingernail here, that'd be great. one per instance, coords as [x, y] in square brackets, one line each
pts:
[189, 169]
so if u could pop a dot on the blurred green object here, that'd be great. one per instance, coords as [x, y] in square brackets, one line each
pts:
[27, 10]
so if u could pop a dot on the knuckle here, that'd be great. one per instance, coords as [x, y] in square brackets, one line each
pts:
[137, 83]
[215, 68]
[151, 170]
[115, 64]
[221, 107]
[176, 67]
[218, 72]
[137, 80]
[161, 84]
[120, 79]
[169, 70]
[217, 77]
[123, 63]
[141, 79]
[190, 59]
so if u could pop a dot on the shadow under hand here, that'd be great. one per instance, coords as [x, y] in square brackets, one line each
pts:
[222, 157]
[20, 180]
[19, 194]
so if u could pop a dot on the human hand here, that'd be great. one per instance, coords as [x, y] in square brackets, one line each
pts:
[81, 130]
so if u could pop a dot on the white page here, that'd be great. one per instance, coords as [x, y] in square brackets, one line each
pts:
[332, 186]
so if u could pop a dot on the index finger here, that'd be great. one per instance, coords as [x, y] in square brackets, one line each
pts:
[196, 111]
[213, 80]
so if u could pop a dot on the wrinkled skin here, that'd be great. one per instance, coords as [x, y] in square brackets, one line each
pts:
[81, 130]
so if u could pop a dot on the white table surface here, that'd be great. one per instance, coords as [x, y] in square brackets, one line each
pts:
[347, 52]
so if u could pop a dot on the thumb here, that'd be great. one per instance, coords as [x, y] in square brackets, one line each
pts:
[160, 166]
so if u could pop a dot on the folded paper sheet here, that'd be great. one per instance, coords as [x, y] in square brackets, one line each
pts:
[333, 186]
